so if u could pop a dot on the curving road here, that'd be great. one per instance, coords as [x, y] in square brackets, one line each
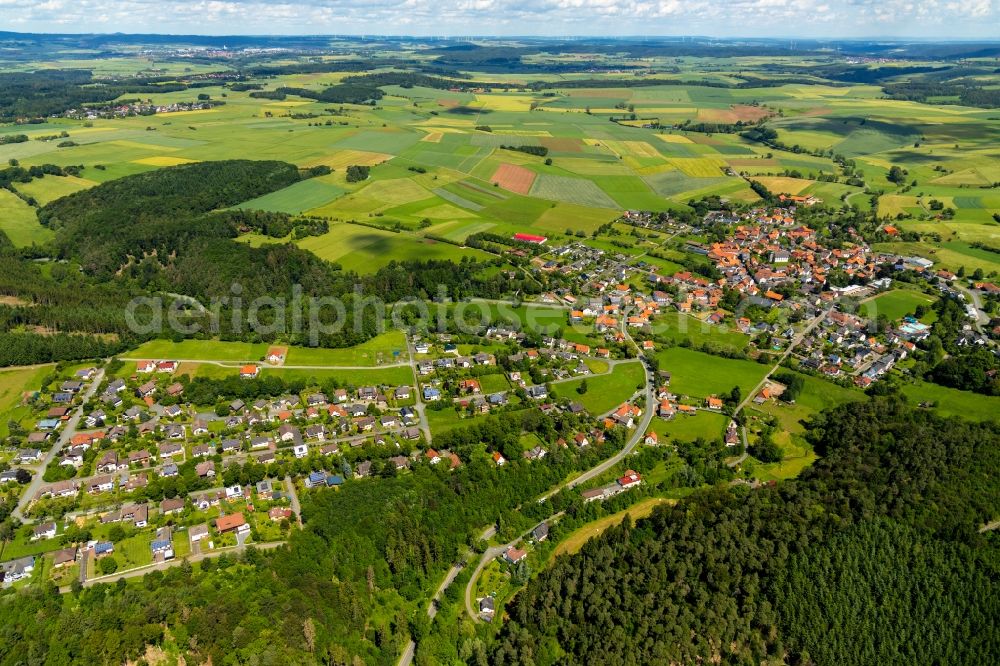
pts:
[599, 469]
[796, 341]
[67, 434]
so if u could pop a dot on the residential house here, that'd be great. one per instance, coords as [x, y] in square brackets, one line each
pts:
[43, 531]
[514, 555]
[172, 506]
[234, 522]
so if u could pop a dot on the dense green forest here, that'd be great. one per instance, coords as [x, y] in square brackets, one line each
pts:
[872, 556]
[33, 95]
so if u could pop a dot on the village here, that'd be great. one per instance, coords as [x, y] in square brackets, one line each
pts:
[126, 474]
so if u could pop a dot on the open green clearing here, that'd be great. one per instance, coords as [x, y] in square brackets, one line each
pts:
[296, 198]
[365, 249]
[13, 385]
[677, 326]
[574, 542]
[50, 188]
[952, 402]
[200, 350]
[605, 392]
[816, 395]
[684, 428]
[699, 375]
[895, 304]
[19, 221]
[377, 351]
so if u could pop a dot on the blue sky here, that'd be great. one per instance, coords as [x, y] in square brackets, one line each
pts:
[932, 19]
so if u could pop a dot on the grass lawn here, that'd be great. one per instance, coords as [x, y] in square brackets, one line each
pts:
[376, 376]
[684, 428]
[23, 545]
[134, 551]
[373, 352]
[698, 375]
[13, 385]
[574, 542]
[50, 188]
[365, 249]
[443, 420]
[295, 199]
[200, 350]
[895, 304]
[817, 395]
[19, 222]
[379, 350]
[494, 383]
[605, 392]
[676, 326]
[952, 402]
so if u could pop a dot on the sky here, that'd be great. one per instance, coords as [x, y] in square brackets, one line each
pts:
[927, 19]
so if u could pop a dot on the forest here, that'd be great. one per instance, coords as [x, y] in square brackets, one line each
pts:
[46, 92]
[867, 558]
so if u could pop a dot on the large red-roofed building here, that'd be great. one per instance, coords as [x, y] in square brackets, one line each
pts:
[530, 238]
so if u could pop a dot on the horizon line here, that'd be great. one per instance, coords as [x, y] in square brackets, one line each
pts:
[660, 37]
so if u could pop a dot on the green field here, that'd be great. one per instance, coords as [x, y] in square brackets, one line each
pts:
[605, 392]
[895, 304]
[817, 394]
[699, 375]
[377, 351]
[297, 198]
[684, 428]
[676, 326]
[365, 249]
[13, 385]
[50, 188]
[952, 402]
[200, 350]
[19, 222]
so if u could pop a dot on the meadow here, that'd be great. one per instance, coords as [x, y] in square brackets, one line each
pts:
[366, 249]
[698, 375]
[380, 350]
[19, 221]
[952, 402]
[13, 385]
[895, 304]
[676, 326]
[576, 539]
[605, 392]
[684, 428]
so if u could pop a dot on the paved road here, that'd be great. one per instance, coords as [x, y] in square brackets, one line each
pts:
[760, 385]
[237, 364]
[597, 470]
[160, 566]
[418, 406]
[83, 566]
[973, 296]
[69, 429]
[294, 497]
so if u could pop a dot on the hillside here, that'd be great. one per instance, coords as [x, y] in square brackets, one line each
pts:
[864, 559]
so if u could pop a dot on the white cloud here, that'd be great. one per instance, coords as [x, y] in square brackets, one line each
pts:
[746, 18]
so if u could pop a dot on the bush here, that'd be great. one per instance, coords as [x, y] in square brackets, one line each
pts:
[107, 565]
